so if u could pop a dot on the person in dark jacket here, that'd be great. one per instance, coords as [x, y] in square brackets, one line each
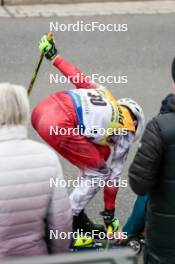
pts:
[135, 224]
[153, 172]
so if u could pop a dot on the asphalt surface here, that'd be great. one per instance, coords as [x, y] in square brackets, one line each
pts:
[143, 53]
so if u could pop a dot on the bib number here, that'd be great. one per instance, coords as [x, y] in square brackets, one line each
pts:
[96, 99]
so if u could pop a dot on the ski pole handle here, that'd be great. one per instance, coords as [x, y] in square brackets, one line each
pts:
[50, 36]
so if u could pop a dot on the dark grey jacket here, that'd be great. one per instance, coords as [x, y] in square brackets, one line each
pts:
[153, 172]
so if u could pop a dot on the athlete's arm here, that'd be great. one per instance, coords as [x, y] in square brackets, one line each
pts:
[73, 73]
[69, 70]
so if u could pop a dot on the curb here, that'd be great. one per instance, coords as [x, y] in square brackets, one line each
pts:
[41, 2]
[89, 9]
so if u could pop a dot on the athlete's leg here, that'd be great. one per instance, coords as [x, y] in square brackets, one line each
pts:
[121, 148]
[110, 192]
[108, 214]
[90, 182]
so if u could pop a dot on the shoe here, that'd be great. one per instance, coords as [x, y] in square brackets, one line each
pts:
[82, 222]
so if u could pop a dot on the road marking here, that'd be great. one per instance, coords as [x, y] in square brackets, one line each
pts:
[90, 9]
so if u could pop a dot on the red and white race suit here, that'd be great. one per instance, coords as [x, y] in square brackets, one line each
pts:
[92, 107]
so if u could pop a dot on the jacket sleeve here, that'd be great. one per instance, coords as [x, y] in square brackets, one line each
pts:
[143, 171]
[73, 73]
[59, 217]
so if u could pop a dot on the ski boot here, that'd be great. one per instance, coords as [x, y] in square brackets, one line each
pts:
[82, 222]
[82, 242]
[83, 225]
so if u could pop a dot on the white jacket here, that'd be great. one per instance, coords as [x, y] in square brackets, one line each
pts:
[28, 205]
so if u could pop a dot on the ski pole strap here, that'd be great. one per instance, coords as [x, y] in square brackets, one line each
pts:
[78, 108]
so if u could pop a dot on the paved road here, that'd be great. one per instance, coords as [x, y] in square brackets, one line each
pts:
[144, 54]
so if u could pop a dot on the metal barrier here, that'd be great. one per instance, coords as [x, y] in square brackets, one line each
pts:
[120, 256]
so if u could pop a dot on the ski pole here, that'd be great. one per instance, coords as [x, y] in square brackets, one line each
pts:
[109, 232]
[38, 65]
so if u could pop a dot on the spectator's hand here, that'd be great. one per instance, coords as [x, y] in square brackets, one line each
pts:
[119, 237]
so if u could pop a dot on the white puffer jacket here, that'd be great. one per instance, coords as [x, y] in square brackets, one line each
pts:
[29, 207]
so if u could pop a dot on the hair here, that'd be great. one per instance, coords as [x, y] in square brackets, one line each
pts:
[14, 105]
[173, 69]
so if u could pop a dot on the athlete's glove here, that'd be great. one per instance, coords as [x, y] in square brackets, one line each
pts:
[48, 47]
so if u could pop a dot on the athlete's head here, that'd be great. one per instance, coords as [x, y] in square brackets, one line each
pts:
[14, 105]
[137, 112]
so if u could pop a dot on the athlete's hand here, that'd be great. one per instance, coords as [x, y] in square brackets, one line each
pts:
[47, 46]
